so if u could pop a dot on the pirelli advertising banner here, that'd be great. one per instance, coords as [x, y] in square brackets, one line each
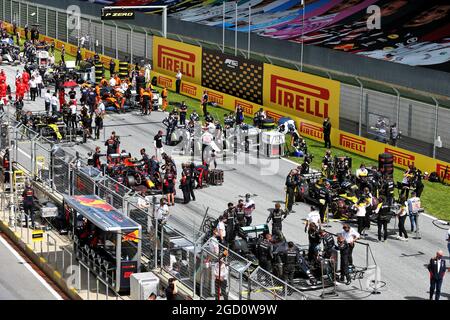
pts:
[170, 55]
[301, 95]
[371, 149]
[233, 75]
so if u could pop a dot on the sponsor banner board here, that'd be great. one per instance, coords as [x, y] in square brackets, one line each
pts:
[169, 56]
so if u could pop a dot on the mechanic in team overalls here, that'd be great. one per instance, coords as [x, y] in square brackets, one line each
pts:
[28, 204]
[277, 215]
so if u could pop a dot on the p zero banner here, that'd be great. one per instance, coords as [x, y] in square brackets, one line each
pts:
[301, 95]
[233, 75]
[170, 56]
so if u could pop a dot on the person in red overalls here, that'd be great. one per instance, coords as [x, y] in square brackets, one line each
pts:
[2, 76]
[20, 90]
[62, 99]
[25, 80]
[18, 80]
[3, 88]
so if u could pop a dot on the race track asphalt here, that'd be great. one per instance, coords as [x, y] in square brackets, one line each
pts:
[18, 281]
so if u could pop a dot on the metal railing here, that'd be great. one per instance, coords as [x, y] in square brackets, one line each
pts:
[165, 248]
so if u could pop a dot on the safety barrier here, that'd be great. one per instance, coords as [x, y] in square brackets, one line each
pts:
[264, 286]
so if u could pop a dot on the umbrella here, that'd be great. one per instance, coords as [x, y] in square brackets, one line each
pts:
[70, 84]
[283, 120]
[7, 41]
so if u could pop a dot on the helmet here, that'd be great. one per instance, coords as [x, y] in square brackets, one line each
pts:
[247, 195]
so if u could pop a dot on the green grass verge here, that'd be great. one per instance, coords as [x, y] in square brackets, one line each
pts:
[435, 197]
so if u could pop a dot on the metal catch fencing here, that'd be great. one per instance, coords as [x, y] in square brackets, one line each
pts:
[239, 269]
[190, 259]
[119, 40]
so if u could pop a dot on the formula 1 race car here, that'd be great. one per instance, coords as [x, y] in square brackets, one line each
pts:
[133, 174]
[307, 276]
[50, 127]
[115, 101]
[309, 188]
